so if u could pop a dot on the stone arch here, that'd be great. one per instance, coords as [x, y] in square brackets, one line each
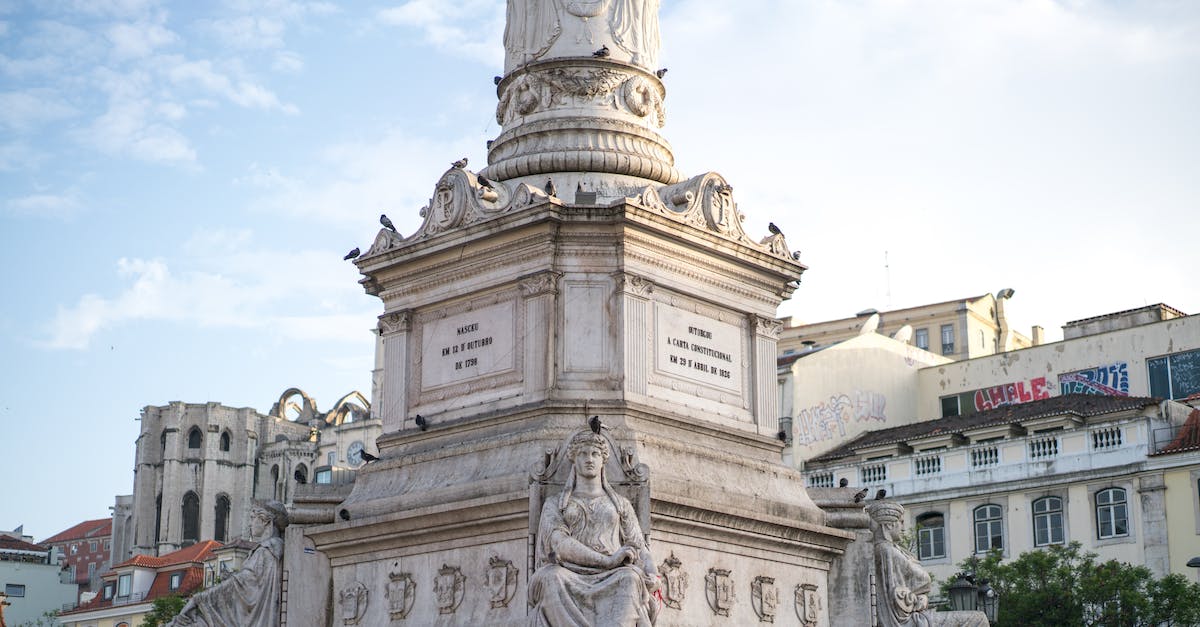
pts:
[301, 474]
[195, 438]
[225, 440]
[275, 481]
[191, 517]
[221, 518]
[296, 406]
[349, 408]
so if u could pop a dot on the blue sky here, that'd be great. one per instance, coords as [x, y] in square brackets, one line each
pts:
[179, 181]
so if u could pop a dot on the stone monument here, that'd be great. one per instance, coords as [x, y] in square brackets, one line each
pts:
[578, 297]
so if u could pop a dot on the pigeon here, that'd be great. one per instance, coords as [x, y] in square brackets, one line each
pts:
[483, 182]
[843, 483]
[550, 189]
[367, 457]
[496, 80]
[774, 229]
[489, 143]
[352, 255]
[387, 224]
[594, 423]
[782, 435]
[796, 256]
[421, 422]
[345, 514]
[601, 53]
[661, 72]
[460, 164]
[880, 494]
[860, 495]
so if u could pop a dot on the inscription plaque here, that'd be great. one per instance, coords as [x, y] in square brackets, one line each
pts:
[698, 348]
[468, 345]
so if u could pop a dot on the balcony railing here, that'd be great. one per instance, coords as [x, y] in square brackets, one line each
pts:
[931, 465]
[985, 456]
[136, 597]
[1106, 438]
[821, 480]
[1043, 448]
[875, 473]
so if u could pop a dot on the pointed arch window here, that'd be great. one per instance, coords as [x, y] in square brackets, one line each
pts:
[221, 519]
[225, 441]
[158, 519]
[275, 481]
[195, 438]
[191, 518]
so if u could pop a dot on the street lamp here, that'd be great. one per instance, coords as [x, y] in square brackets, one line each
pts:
[967, 596]
[989, 601]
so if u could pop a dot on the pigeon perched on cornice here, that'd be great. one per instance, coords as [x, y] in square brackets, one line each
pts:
[879, 496]
[550, 189]
[661, 72]
[860, 495]
[421, 422]
[387, 224]
[594, 424]
[352, 255]
[460, 164]
[843, 483]
[601, 53]
[483, 182]
[496, 80]
[367, 457]
[773, 229]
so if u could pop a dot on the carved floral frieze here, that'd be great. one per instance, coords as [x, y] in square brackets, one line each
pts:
[608, 87]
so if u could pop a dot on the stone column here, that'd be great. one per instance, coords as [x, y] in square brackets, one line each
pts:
[766, 395]
[633, 294]
[392, 409]
[539, 290]
[1152, 490]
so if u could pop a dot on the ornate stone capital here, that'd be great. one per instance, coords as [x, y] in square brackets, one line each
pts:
[539, 283]
[395, 322]
[769, 327]
[633, 284]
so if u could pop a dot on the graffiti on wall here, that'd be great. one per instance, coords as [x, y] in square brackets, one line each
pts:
[1110, 380]
[1011, 394]
[829, 420]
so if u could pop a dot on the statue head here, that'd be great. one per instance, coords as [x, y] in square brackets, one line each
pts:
[588, 450]
[272, 514]
[887, 519]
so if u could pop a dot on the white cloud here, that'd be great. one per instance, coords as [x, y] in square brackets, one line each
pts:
[139, 39]
[26, 110]
[469, 28]
[58, 206]
[227, 282]
[241, 92]
[19, 155]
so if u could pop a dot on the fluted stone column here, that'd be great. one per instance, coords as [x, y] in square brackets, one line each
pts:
[394, 328]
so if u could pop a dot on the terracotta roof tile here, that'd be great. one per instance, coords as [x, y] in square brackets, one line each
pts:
[82, 531]
[1081, 405]
[1188, 438]
[9, 543]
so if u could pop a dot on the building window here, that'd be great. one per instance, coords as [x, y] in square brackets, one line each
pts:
[225, 441]
[949, 406]
[989, 533]
[74, 548]
[158, 519]
[107, 545]
[123, 585]
[1047, 521]
[324, 476]
[947, 339]
[92, 546]
[1112, 515]
[108, 592]
[91, 570]
[191, 518]
[922, 339]
[1175, 376]
[195, 438]
[221, 519]
[14, 589]
[931, 536]
[176, 580]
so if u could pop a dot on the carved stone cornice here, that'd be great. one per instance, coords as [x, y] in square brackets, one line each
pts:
[395, 322]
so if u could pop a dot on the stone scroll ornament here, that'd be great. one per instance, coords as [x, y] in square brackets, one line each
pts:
[593, 563]
[764, 598]
[249, 597]
[353, 599]
[401, 593]
[902, 585]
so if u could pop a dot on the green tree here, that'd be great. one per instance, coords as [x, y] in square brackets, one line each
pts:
[165, 608]
[1063, 586]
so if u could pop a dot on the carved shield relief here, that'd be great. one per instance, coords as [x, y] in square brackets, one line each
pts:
[808, 604]
[674, 581]
[401, 593]
[718, 587]
[764, 598]
[353, 599]
[449, 586]
[501, 581]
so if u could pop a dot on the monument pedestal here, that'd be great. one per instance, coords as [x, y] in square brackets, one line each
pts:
[510, 319]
